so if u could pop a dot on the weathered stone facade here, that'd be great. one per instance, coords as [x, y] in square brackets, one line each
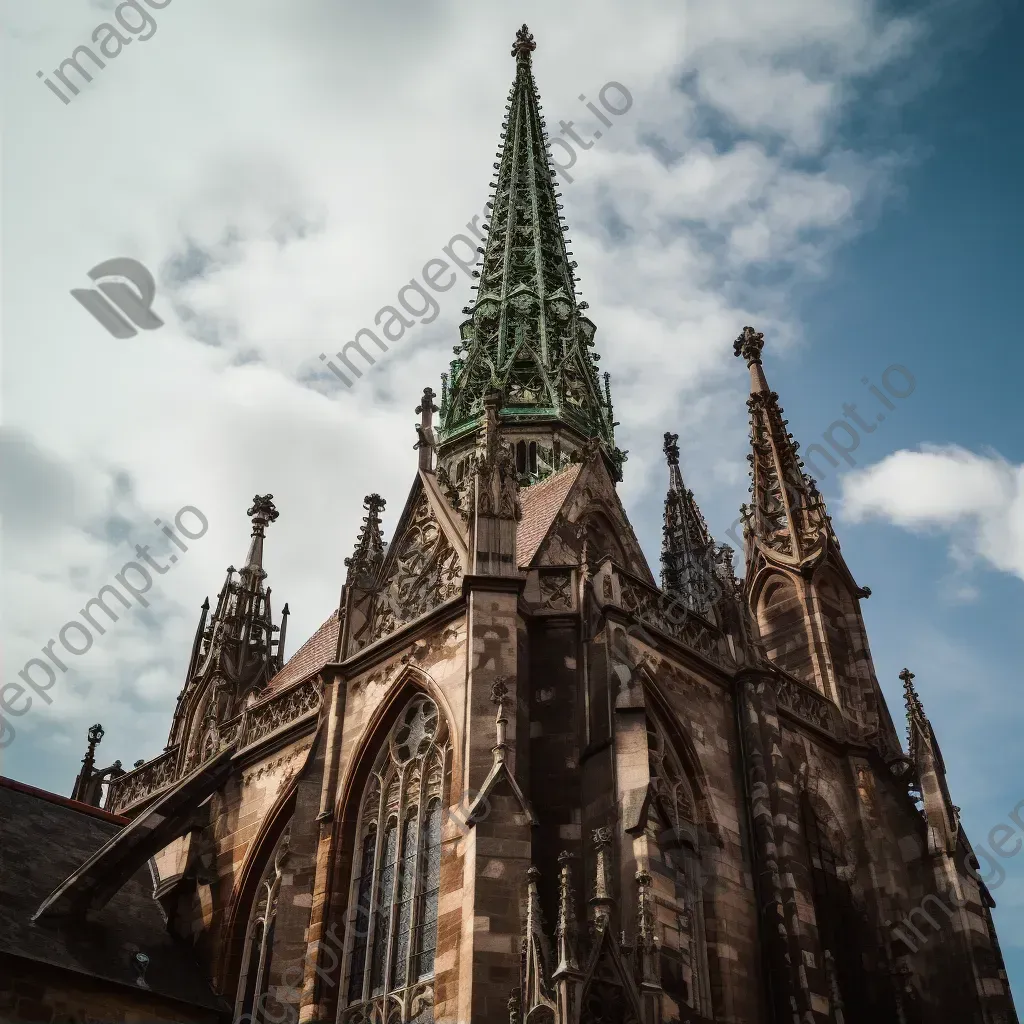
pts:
[512, 779]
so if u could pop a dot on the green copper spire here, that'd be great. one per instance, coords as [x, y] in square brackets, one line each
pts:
[525, 335]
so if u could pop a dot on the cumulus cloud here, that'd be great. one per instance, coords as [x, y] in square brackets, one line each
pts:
[284, 169]
[978, 500]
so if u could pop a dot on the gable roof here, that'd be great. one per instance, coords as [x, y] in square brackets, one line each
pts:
[541, 503]
[45, 839]
[319, 650]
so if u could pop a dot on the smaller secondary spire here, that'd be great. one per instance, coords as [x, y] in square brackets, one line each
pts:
[602, 901]
[565, 929]
[786, 516]
[687, 550]
[262, 513]
[369, 552]
[917, 720]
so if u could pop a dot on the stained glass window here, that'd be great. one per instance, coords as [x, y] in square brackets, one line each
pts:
[396, 876]
[254, 983]
[675, 851]
[361, 924]
[430, 875]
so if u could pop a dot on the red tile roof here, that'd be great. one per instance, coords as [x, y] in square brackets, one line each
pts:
[320, 649]
[541, 503]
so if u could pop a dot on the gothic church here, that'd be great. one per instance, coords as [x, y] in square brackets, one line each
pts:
[512, 779]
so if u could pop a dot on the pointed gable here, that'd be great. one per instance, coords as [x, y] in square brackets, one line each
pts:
[587, 498]
[424, 564]
[541, 503]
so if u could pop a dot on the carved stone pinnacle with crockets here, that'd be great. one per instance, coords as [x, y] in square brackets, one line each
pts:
[749, 345]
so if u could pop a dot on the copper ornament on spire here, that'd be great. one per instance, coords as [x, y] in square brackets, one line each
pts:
[671, 449]
[524, 44]
[749, 345]
[263, 509]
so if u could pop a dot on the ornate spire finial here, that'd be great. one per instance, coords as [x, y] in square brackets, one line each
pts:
[565, 929]
[602, 900]
[84, 789]
[671, 448]
[369, 551]
[425, 430]
[646, 943]
[499, 696]
[749, 345]
[262, 511]
[524, 45]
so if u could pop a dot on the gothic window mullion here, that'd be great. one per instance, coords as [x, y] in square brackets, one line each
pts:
[261, 964]
[400, 849]
[378, 853]
[416, 883]
[390, 881]
[408, 812]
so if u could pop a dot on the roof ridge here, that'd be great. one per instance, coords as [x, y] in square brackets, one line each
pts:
[63, 801]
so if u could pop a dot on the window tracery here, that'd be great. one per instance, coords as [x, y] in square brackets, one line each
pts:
[254, 982]
[396, 874]
[674, 851]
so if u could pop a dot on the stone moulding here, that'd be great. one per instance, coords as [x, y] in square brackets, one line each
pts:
[809, 706]
[651, 606]
[274, 714]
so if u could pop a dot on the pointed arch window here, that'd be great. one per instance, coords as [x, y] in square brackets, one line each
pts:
[254, 982]
[674, 851]
[521, 457]
[396, 873]
[851, 954]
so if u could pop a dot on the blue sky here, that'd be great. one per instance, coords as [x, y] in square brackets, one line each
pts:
[841, 175]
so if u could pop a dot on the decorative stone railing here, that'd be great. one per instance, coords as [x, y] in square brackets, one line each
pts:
[660, 610]
[809, 705]
[145, 780]
[279, 710]
[255, 723]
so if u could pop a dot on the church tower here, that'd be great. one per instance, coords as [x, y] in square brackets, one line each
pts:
[513, 780]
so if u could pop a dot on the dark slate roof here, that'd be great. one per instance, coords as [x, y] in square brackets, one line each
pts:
[43, 839]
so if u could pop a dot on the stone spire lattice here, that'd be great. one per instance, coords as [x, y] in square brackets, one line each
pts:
[526, 335]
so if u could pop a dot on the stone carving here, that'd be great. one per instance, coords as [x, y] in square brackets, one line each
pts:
[663, 613]
[425, 572]
[807, 704]
[280, 710]
[272, 766]
[556, 590]
[152, 777]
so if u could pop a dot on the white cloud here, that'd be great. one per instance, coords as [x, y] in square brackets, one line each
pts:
[285, 168]
[977, 499]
